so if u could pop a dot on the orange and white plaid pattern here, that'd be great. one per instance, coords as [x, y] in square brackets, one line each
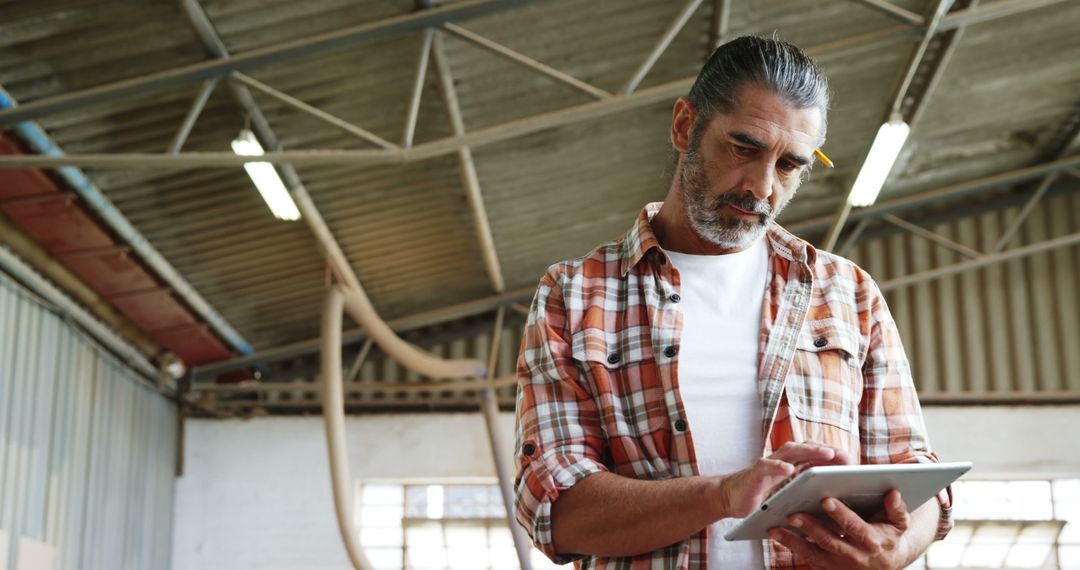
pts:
[598, 385]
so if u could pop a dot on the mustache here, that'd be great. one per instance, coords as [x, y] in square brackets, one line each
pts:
[745, 203]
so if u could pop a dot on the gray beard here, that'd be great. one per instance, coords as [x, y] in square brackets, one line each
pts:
[705, 212]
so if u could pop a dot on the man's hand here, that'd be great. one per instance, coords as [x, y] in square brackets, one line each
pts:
[848, 541]
[744, 491]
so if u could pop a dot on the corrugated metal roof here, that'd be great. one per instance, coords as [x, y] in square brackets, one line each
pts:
[407, 230]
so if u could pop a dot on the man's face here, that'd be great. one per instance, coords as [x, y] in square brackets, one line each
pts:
[741, 169]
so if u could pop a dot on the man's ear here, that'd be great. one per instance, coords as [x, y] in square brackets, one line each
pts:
[682, 123]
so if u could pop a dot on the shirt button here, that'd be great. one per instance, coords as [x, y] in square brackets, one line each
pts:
[670, 352]
[680, 425]
[675, 298]
[614, 358]
[528, 449]
[821, 342]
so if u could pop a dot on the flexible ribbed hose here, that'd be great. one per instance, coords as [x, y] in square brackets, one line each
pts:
[406, 354]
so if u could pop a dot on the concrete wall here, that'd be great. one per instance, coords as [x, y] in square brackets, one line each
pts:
[256, 493]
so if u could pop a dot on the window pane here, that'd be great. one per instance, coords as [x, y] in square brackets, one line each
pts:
[1030, 500]
[380, 494]
[1069, 556]
[384, 558]
[1027, 556]
[1067, 490]
[985, 555]
[380, 516]
[389, 536]
[943, 555]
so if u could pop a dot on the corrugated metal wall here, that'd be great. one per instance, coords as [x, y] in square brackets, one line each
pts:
[1010, 329]
[87, 449]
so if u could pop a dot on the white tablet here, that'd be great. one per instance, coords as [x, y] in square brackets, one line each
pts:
[861, 487]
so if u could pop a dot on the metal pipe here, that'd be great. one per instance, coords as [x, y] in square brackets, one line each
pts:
[334, 423]
[991, 259]
[261, 57]
[525, 60]
[895, 11]
[192, 115]
[470, 181]
[127, 353]
[661, 46]
[418, 88]
[104, 209]
[313, 111]
[927, 234]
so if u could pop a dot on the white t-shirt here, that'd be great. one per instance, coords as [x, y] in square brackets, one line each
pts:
[721, 304]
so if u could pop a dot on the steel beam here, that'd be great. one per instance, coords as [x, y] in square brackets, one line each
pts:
[470, 181]
[953, 191]
[662, 44]
[365, 387]
[489, 406]
[125, 351]
[192, 115]
[992, 11]
[1071, 143]
[894, 11]
[412, 322]
[526, 61]
[265, 134]
[418, 88]
[498, 133]
[27, 249]
[354, 370]
[274, 53]
[1029, 207]
[721, 21]
[844, 210]
[382, 29]
[929, 235]
[984, 261]
[313, 111]
[853, 238]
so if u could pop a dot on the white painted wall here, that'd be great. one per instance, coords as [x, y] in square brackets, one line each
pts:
[256, 493]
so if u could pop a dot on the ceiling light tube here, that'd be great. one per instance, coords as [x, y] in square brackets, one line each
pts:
[266, 178]
[883, 153]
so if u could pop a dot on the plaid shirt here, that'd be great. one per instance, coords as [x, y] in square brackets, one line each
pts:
[599, 390]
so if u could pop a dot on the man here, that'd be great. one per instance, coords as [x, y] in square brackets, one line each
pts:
[669, 381]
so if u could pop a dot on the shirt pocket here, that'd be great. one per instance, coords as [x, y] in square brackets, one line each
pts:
[626, 386]
[825, 381]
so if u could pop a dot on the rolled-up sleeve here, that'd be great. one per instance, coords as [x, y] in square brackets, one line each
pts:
[892, 429]
[557, 429]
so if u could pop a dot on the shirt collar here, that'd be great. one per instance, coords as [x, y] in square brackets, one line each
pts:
[640, 239]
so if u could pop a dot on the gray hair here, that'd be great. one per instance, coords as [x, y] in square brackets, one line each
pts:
[769, 62]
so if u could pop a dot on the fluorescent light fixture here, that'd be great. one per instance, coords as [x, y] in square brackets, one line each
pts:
[266, 178]
[890, 139]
